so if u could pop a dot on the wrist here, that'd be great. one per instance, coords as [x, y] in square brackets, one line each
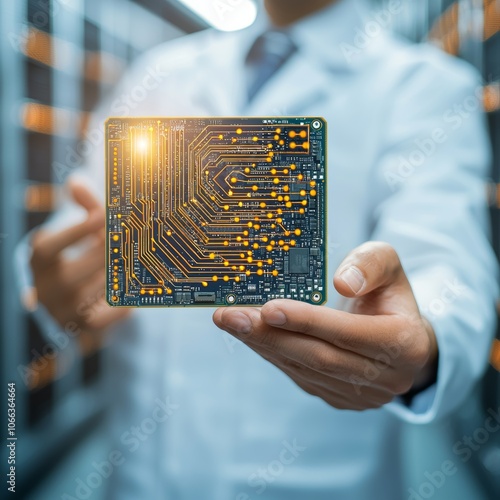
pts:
[428, 374]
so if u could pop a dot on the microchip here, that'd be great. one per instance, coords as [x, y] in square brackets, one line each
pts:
[299, 261]
[205, 211]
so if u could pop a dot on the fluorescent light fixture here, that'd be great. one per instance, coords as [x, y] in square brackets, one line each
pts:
[224, 15]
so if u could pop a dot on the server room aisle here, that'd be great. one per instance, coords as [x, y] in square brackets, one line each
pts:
[59, 59]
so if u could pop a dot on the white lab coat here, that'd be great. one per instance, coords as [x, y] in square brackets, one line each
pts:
[237, 413]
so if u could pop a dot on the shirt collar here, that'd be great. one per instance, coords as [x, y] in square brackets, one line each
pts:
[320, 35]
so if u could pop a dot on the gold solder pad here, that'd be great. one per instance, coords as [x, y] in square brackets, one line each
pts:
[215, 211]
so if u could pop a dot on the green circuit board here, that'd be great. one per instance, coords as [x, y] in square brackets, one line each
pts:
[215, 211]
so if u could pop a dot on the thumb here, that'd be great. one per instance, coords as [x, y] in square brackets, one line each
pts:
[372, 266]
[83, 195]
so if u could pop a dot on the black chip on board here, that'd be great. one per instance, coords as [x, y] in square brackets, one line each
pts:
[299, 260]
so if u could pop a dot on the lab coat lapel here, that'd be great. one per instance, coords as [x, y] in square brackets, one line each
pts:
[288, 93]
[294, 89]
[222, 91]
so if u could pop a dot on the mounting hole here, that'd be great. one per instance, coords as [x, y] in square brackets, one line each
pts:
[316, 124]
[231, 299]
[316, 297]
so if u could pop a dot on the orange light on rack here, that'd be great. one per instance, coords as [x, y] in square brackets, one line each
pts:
[491, 18]
[38, 46]
[495, 355]
[38, 117]
[40, 197]
[46, 119]
[491, 97]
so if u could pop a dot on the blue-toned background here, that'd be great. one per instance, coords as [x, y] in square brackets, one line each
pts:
[58, 58]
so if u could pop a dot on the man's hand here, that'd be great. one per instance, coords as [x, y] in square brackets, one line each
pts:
[72, 290]
[352, 360]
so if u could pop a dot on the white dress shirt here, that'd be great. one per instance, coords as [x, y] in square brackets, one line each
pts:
[407, 160]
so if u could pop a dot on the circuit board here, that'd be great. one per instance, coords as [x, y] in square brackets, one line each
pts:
[215, 211]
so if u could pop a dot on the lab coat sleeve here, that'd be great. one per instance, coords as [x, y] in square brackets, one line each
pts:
[434, 212]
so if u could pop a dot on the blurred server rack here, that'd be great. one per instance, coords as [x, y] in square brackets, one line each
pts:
[470, 29]
[57, 59]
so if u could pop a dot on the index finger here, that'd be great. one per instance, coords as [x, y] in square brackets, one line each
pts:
[48, 245]
[83, 195]
[363, 334]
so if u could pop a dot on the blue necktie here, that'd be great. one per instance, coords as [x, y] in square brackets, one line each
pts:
[267, 55]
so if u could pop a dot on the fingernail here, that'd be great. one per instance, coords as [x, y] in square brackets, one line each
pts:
[237, 321]
[275, 318]
[30, 299]
[353, 278]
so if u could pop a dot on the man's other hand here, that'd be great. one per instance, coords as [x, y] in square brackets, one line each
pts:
[72, 289]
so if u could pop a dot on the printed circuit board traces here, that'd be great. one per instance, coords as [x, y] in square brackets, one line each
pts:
[215, 211]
